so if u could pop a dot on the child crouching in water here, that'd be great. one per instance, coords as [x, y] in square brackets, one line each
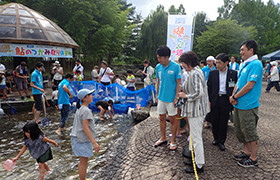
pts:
[83, 132]
[104, 107]
[38, 146]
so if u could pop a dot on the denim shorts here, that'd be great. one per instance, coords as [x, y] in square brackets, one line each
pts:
[2, 86]
[81, 149]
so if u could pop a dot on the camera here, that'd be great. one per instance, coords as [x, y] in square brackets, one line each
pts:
[179, 103]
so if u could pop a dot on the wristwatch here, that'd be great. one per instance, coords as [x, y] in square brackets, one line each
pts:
[233, 97]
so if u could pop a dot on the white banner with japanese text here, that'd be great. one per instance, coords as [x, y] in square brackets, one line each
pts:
[179, 34]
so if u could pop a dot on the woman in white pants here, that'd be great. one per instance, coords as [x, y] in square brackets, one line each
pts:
[195, 106]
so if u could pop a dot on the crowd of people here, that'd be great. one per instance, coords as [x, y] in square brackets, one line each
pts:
[209, 93]
[187, 89]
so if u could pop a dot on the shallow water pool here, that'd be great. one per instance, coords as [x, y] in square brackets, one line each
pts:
[64, 162]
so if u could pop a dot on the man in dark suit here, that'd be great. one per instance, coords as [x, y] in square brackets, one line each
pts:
[220, 86]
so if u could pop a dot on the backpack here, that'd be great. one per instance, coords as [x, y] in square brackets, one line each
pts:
[154, 74]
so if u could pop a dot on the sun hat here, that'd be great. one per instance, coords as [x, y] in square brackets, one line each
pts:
[56, 63]
[211, 58]
[83, 92]
[2, 71]
[104, 62]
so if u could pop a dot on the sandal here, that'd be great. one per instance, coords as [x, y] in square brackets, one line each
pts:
[49, 172]
[160, 142]
[173, 147]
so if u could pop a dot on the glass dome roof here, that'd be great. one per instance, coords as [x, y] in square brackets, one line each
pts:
[20, 24]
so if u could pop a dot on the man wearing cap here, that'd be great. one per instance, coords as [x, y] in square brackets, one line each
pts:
[78, 66]
[21, 75]
[104, 73]
[220, 84]
[64, 96]
[94, 73]
[58, 73]
[210, 66]
[37, 90]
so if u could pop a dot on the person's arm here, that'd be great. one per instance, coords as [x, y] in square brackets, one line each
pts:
[157, 90]
[178, 89]
[23, 149]
[89, 135]
[45, 139]
[65, 88]
[33, 85]
[242, 92]
[110, 113]
[197, 86]
[47, 101]
[112, 110]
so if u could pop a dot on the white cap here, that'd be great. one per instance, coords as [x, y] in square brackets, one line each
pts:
[211, 58]
[56, 63]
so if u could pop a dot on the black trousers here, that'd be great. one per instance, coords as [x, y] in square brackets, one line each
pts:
[219, 118]
[271, 84]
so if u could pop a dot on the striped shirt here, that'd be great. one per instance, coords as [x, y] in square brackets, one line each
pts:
[196, 103]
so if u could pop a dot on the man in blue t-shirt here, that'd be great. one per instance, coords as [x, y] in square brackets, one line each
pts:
[246, 103]
[64, 96]
[168, 74]
[233, 65]
[37, 90]
[210, 60]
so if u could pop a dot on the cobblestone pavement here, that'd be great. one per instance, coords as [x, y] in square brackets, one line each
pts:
[134, 157]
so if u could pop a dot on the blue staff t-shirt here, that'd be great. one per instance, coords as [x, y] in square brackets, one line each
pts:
[167, 78]
[251, 72]
[206, 70]
[37, 79]
[63, 96]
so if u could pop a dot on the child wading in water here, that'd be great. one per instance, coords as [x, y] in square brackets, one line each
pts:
[38, 146]
[83, 132]
[104, 107]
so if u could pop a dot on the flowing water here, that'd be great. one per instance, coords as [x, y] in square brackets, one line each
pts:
[64, 162]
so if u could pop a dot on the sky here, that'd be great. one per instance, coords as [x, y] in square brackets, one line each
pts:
[210, 7]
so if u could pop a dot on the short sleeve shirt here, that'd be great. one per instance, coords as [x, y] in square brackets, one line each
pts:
[63, 96]
[103, 104]
[130, 84]
[83, 113]
[168, 81]
[55, 93]
[105, 77]
[206, 70]
[37, 79]
[251, 72]
[36, 147]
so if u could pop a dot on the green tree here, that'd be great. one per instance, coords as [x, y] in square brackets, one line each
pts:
[264, 17]
[153, 34]
[201, 21]
[224, 37]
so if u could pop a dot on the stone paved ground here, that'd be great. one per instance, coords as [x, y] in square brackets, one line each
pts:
[134, 157]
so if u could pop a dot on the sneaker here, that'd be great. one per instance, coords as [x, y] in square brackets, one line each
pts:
[248, 163]
[22, 98]
[241, 156]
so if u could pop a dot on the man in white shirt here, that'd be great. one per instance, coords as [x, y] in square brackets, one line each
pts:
[104, 74]
[78, 66]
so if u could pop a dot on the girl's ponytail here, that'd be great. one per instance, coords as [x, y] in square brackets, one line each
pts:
[78, 104]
